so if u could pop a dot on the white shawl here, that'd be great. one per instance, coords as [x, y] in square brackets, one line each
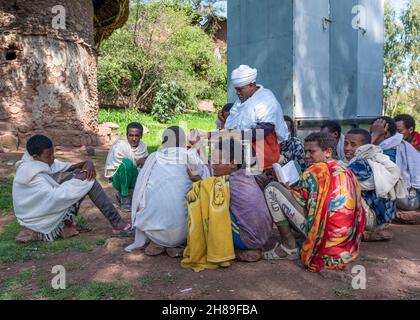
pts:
[120, 150]
[340, 149]
[262, 106]
[40, 203]
[408, 159]
[386, 180]
[158, 211]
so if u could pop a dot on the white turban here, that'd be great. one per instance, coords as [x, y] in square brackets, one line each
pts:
[243, 75]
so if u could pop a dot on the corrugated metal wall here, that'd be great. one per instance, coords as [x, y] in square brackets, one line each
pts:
[310, 55]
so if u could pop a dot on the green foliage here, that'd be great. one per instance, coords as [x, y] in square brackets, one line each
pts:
[9, 287]
[198, 120]
[6, 202]
[168, 102]
[160, 45]
[401, 55]
[90, 291]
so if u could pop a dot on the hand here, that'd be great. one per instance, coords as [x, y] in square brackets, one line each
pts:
[221, 117]
[140, 162]
[194, 137]
[194, 178]
[89, 167]
[379, 130]
[282, 160]
[81, 176]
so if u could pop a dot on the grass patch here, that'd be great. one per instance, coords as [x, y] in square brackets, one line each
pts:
[152, 279]
[9, 288]
[199, 120]
[6, 202]
[11, 252]
[90, 291]
[346, 293]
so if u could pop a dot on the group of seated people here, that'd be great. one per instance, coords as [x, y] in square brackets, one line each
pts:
[211, 197]
[350, 190]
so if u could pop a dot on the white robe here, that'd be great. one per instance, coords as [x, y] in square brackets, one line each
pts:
[386, 179]
[120, 150]
[262, 106]
[340, 149]
[158, 208]
[40, 203]
[407, 159]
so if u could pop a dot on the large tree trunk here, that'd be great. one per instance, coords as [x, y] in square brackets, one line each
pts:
[48, 75]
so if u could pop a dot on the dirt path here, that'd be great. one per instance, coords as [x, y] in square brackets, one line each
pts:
[392, 268]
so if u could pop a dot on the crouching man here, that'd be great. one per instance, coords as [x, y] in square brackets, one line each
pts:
[47, 194]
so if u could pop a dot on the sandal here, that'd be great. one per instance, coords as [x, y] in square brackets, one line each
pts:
[126, 232]
[291, 254]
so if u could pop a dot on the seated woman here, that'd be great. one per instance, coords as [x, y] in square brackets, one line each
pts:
[251, 221]
[47, 194]
[292, 148]
[158, 213]
[325, 207]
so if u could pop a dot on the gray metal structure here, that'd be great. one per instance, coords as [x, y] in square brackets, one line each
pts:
[323, 59]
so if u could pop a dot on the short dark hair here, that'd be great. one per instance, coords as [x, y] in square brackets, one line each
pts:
[37, 144]
[333, 126]
[392, 126]
[325, 140]
[408, 121]
[135, 125]
[293, 128]
[367, 138]
[227, 107]
[174, 136]
[235, 149]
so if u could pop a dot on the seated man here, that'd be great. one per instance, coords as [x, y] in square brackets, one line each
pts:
[47, 194]
[325, 207]
[158, 213]
[384, 133]
[251, 220]
[123, 162]
[406, 125]
[380, 182]
[334, 128]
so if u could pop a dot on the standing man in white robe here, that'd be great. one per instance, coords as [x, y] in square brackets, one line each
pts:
[258, 115]
[47, 194]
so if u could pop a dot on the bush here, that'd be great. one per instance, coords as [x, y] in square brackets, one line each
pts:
[168, 102]
[157, 46]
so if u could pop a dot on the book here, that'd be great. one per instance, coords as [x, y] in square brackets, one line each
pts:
[290, 173]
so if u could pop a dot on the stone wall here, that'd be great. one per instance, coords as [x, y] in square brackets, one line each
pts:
[47, 75]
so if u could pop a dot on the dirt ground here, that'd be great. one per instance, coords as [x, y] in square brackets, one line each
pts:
[392, 267]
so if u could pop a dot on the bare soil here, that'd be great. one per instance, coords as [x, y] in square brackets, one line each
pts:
[392, 267]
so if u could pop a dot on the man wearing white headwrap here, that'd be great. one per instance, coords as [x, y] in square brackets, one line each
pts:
[257, 108]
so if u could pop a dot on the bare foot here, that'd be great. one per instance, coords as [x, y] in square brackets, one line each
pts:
[154, 249]
[248, 255]
[69, 232]
[175, 252]
[377, 235]
[409, 217]
[26, 235]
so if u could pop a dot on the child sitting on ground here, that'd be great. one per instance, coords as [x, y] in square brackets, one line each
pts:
[47, 194]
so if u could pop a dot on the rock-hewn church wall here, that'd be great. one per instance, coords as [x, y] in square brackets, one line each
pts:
[48, 75]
